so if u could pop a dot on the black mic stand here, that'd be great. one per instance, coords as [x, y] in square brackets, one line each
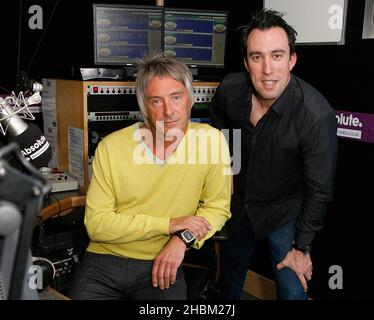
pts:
[25, 190]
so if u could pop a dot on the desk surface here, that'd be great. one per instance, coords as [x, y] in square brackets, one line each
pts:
[61, 201]
[51, 294]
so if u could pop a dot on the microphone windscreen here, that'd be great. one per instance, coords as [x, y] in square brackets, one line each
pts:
[34, 146]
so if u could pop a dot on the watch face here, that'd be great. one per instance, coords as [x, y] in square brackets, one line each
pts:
[188, 236]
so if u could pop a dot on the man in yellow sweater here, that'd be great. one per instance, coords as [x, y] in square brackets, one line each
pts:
[157, 189]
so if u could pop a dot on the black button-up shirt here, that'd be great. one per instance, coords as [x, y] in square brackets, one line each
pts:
[288, 159]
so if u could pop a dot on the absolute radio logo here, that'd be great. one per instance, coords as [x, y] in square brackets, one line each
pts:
[348, 120]
[35, 150]
[357, 126]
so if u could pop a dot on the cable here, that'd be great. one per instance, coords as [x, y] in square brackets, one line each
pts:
[59, 205]
[48, 261]
[5, 89]
[19, 36]
[42, 37]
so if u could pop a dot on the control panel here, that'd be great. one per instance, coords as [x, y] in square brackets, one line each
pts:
[114, 116]
[61, 181]
[110, 89]
[204, 93]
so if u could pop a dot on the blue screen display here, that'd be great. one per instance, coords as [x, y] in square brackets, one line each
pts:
[196, 37]
[123, 34]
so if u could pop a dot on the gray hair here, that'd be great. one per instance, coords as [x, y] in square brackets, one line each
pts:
[159, 65]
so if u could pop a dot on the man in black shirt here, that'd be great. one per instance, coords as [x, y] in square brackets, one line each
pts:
[288, 158]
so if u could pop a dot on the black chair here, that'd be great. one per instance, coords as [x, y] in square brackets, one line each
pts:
[202, 268]
[61, 238]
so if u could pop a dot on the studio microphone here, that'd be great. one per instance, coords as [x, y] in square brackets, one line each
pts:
[33, 144]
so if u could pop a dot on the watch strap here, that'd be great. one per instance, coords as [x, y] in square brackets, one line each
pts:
[179, 234]
[304, 249]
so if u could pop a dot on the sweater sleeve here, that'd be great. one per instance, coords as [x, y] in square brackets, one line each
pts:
[103, 222]
[215, 198]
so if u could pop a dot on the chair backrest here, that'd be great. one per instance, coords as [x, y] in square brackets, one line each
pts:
[61, 237]
[60, 206]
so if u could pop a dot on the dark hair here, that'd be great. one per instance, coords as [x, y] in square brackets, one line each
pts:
[265, 19]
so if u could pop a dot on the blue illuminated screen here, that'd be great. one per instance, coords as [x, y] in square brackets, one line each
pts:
[123, 34]
[196, 37]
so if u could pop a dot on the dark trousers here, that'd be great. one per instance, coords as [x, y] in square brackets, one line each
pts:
[236, 254]
[108, 277]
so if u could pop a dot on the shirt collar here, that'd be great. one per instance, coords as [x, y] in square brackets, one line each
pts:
[281, 105]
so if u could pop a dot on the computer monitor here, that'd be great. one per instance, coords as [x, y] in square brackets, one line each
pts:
[123, 33]
[196, 37]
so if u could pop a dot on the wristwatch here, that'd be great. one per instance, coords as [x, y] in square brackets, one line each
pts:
[187, 236]
[303, 249]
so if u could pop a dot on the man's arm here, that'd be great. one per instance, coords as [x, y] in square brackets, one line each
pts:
[102, 221]
[320, 156]
[104, 224]
[215, 198]
[214, 207]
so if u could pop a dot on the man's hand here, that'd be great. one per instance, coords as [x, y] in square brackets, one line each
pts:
[164, 271]
[199, 226]
[301, 264]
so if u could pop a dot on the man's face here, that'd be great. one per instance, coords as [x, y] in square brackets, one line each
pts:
[269, 62]
[167, 102]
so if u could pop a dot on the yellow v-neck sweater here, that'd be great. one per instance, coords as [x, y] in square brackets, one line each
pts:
[132, 195]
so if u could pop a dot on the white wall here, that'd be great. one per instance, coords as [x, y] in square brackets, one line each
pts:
[316, 21]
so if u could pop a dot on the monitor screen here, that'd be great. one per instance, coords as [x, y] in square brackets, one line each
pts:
[123, 33]
[196, 37]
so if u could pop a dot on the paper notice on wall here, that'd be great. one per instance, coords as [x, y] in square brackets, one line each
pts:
[75, 154]
[50, 119]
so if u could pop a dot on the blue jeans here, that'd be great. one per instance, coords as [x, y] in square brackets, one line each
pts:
[236, 255]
